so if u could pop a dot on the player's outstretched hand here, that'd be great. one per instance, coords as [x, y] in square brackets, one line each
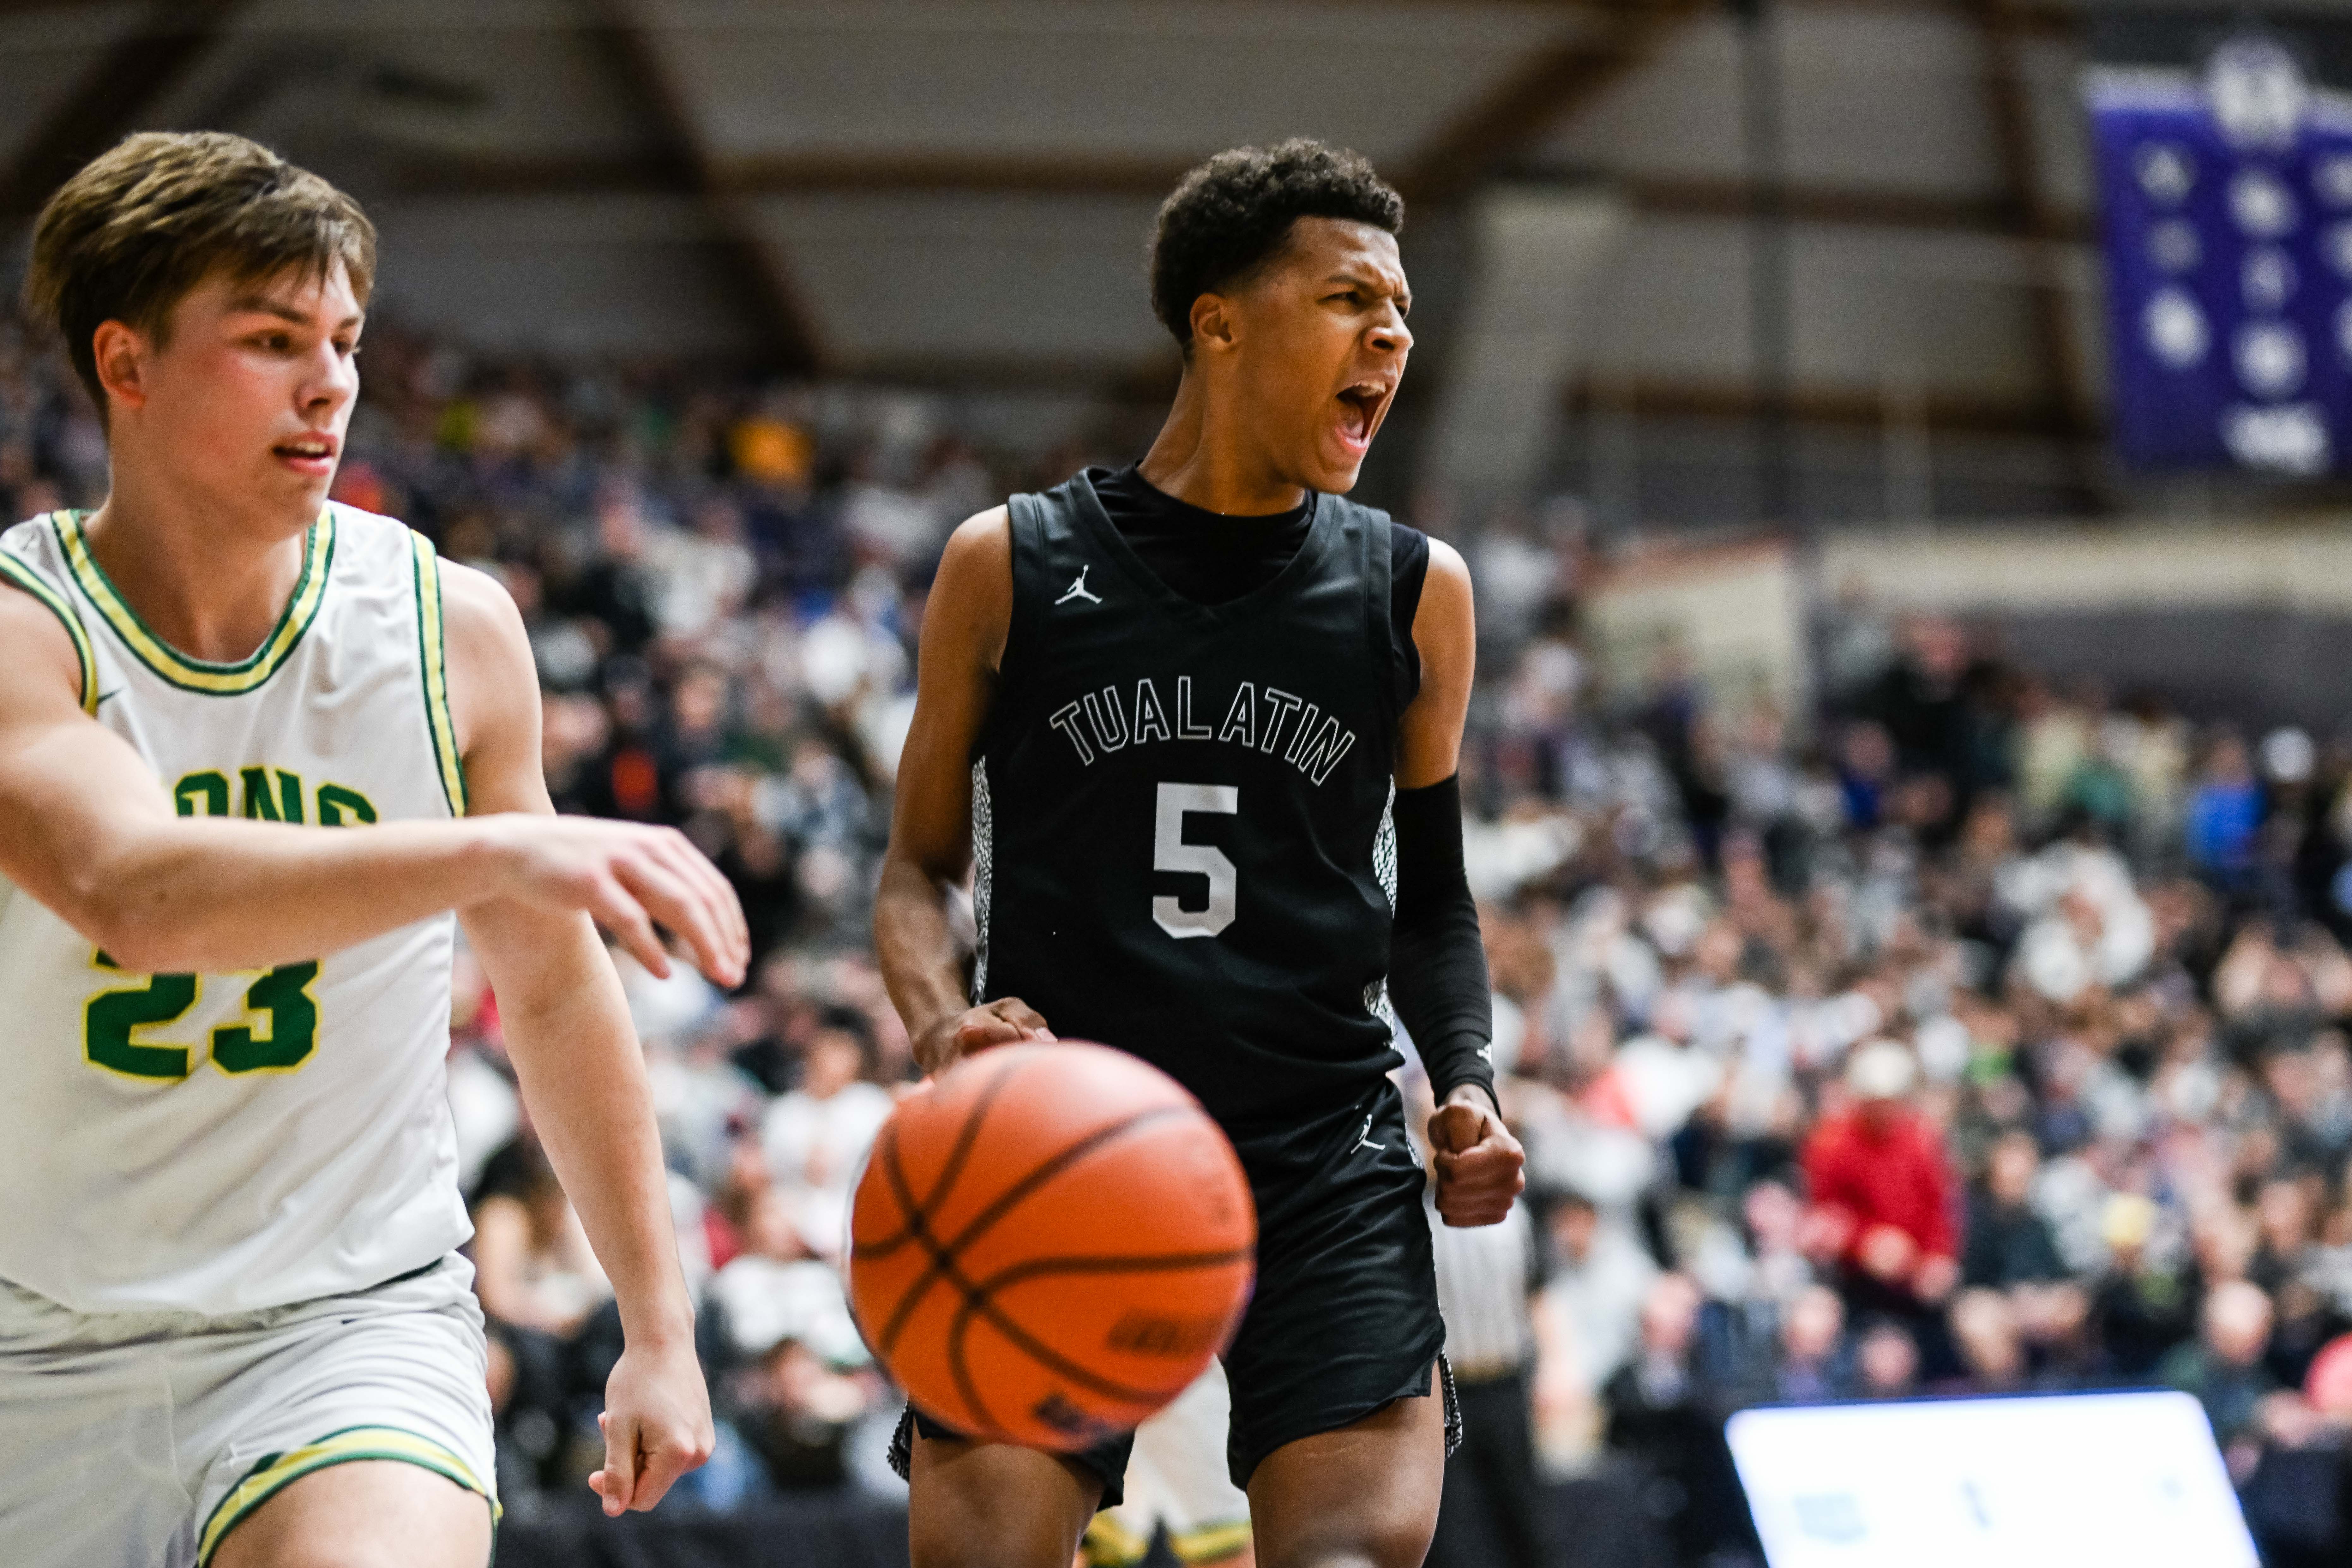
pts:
[630, 879]
[1007, 1021]
[656, 1427]
[1479, 1164]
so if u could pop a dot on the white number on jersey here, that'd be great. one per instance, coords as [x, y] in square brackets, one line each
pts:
[1170, 852]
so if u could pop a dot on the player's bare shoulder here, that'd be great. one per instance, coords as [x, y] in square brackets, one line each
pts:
[43, 672]
[1445, 623]
[1446, 609]
[493, 679]
[478, 606]
[971, 610]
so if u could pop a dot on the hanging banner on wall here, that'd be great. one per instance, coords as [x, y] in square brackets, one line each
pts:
[2226, 203]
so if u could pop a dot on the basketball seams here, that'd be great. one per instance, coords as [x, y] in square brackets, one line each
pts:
[966, 1371]
[979, 1301]
[1080, 1263]
[1054, 1166]
[918, 1228]
[949, 1171]
[1045, 1355]
[945, 1253]
[969, 1134]
[961, 1370]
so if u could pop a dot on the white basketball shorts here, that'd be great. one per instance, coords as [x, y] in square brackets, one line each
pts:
[140, 1439]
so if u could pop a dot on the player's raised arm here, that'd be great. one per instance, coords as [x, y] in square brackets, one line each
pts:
[965, 626]
[1437, 977]
[581, 1071]
[86, 829]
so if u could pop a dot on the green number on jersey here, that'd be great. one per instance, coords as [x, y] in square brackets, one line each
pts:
[111, 1016]
[284, 993]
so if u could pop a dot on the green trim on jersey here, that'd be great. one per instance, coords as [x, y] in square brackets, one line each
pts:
[18, 574]
[195, 674]
[433, 658]
[277, 1471]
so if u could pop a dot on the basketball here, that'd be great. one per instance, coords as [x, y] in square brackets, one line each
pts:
[1049, 1244]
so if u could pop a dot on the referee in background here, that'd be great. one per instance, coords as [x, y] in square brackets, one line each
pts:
[1484, 1275]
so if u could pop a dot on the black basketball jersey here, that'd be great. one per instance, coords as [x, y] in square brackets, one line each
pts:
[1180, 811]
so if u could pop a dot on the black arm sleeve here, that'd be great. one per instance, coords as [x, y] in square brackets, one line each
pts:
[1437, 966]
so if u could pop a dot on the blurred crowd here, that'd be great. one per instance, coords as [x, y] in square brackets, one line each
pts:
[1968, 1031]
[1977, 1034]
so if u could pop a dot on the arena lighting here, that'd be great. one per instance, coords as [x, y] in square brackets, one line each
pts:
[2025, 1483]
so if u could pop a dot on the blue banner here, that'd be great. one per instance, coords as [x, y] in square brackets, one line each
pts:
[2227, 218]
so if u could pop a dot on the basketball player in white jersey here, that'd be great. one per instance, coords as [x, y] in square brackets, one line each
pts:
[255, 749]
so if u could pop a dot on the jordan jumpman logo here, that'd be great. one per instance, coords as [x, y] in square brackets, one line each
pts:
[1078, 590]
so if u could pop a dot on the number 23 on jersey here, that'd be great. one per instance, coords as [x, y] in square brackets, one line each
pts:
[113, 1021]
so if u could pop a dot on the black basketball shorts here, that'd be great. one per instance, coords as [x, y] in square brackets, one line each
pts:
[1343, 1319]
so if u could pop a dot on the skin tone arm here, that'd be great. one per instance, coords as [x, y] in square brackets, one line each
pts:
[580, 1067]
[964, 628]
[87, 829]
[1479, 1164]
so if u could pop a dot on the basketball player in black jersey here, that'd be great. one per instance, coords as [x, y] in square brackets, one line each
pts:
[1192, 728]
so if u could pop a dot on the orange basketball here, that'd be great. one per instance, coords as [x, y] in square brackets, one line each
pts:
[1048, 1243]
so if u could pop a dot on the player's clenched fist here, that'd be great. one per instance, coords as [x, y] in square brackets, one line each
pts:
[1480, 1166]
[630, 879]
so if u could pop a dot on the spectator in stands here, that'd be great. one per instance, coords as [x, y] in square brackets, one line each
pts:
[540, 1288]
[815, 1138]
[2225, 809]
[1597, 1282]
[1886, 1362]
[533, 1268]
[1813, 1360]
[1665, 1418]
[1881, 1188]
[2223, 1368]
[1985, 1333]
[797, 1409]
[2145, 1303]
[2009, 1244]
[1657, 1386]
[777, 1289]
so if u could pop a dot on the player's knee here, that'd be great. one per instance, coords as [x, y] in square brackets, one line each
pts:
[981, 1538]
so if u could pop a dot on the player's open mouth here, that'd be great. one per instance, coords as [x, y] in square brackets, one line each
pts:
[311, 453]
[1360, 407]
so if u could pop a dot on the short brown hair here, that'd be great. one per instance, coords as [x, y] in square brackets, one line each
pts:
[126, 238]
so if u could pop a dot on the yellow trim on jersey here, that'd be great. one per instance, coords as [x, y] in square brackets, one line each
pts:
[280, 1470]
[432, 656]
[1211, 1542]
[196, 674]
[18, 574]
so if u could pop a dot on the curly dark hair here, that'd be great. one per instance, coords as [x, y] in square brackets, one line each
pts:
[1232, 214]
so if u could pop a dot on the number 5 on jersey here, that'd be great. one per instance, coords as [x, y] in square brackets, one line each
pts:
[1170, 852]
[112, 1020]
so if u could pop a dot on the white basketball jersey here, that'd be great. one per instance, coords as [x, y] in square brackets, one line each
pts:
[220, 1142]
